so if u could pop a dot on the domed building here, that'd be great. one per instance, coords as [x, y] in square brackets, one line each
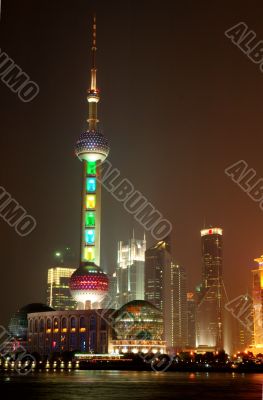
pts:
[18, 325]
[138, 328]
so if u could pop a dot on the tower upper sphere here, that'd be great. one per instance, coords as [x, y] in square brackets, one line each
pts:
[92, 145]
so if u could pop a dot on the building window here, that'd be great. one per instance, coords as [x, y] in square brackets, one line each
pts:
[42, 325]
[31, 326]
[36, 325]
[55, 325]
[49, 324]
[92, 324]
[64, 325]
[82, 324]
[73, 324]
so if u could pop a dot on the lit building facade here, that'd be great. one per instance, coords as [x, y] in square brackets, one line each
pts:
[138, 328]
[178, 307]
[157, 262]
[257, 295]
[130, 271]
[191, 320]
[135, 328]
[58, 293]
[89, 284]
[158, 284]
[59, 331]
[209, 305]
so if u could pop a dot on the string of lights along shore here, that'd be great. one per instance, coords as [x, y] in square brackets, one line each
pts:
[89, 284]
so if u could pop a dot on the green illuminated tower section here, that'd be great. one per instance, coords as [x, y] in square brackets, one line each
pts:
[91, 209]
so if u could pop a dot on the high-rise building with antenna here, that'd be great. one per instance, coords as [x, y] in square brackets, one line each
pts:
[210, 299]
[89, 284]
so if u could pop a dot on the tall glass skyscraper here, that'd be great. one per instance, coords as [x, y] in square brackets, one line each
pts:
[130, 271]
[209, 307]
[158, 260]
[191, 320]
[165, 287]
[178, 311]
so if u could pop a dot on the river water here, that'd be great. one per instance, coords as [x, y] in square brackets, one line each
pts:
[119, 385]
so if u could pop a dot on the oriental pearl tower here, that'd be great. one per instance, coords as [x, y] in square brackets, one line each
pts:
[89, 284]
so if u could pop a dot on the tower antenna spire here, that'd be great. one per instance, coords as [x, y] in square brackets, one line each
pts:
[94, 42]
[93, 91]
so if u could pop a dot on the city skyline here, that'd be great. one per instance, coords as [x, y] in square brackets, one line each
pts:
[131, 199]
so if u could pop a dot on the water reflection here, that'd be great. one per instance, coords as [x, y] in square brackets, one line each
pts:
[115, 385]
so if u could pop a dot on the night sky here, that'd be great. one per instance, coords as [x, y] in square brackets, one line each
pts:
[179, 103]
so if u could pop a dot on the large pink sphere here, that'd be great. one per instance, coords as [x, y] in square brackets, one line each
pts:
[89, 283]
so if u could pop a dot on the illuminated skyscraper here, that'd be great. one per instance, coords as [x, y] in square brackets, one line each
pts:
[243, 325]
[209, 307]
[89, 284]
[157, 261]
[178, 312]
[158, 275]
[191, 320]
[257, 295]
[130, 271]
[58, 293]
